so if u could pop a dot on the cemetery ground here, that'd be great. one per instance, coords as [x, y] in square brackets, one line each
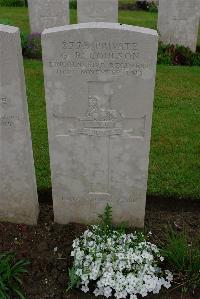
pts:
[48, 247]
[173, 184]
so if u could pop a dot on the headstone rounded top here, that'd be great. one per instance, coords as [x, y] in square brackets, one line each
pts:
[101, 25]
[8, 29]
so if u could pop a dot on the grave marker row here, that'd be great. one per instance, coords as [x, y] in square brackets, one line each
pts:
[178, 20]
[45, 14]
[99, 80]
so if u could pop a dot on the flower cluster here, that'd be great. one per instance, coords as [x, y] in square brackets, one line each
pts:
[119, 264]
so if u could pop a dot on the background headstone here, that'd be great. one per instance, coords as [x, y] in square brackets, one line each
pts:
[18, 192]
[178, 22]
[99, 80]
[47, 14]
[97, 11]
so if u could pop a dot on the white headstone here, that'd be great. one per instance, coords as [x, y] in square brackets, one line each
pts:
[47, 14]
[18, 192]
[97, 11]
[99, 80]
[178, 22]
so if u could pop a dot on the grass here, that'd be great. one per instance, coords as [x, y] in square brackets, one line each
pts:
[138, 18]
[174, 158]
[18, 16]
[10, 276]
[183, 258]
[37, 113]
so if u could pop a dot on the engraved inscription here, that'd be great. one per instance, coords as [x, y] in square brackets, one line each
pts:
[102, 57]
[3, 100]
[98, 196]
[131, 200]
[98, 133]
[101, 120]
[92, 196]
[8, 120]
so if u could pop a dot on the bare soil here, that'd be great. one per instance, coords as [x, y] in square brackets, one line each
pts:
[48, 246]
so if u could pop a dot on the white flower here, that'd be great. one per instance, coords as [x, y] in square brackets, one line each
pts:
[119, 264]
[84, 289]
[161, 258]
[79, 272]
[91, 243]
[98, 292]
[84, 277]
[75, 243]
[107, 292]
[169, 275]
